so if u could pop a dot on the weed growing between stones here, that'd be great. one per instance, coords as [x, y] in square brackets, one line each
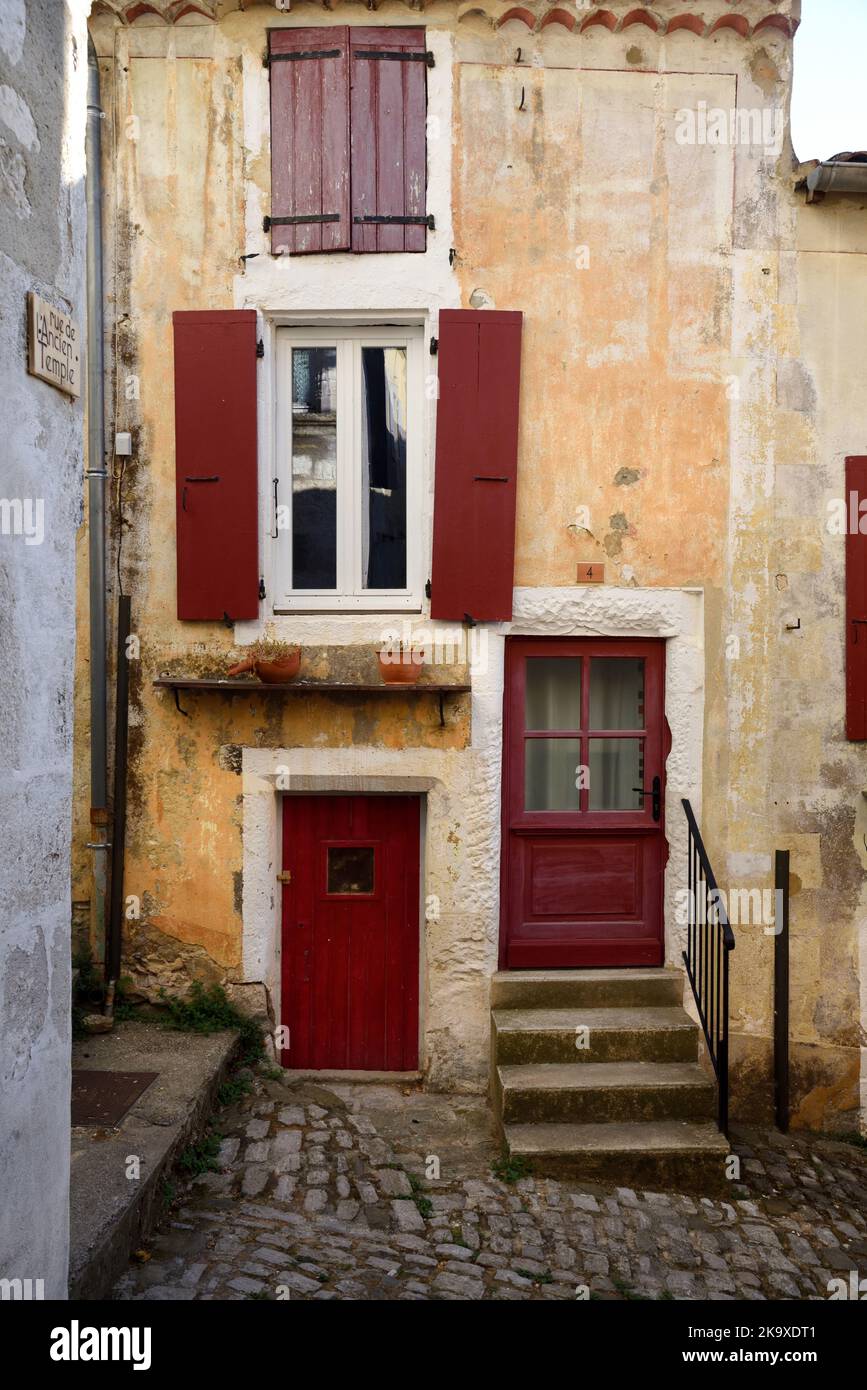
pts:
[201, 1157]
[209, 1011]
[511, 1167]
[232, 1090]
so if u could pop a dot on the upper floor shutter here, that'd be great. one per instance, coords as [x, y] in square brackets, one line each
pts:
[856, 600]
[348, 126]
[479, 358]
[309, 139]
[215, 463]
[388, 75]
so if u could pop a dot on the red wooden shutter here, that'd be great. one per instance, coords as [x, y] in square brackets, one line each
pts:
[309, 139]
[215, 463]
[856, 600]
[389, 152]
[476, 464]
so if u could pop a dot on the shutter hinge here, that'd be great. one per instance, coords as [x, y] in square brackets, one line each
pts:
[269, 222]
[270, 58]
[392, 221]
[427, 589]
[434, 346]
[262, 586]
[388, 55]
[260, 348]
[285, 876]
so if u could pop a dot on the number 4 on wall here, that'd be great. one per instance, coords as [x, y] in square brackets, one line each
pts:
[591, 574]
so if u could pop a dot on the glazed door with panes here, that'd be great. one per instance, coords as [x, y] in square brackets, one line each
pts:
[350, 939]
[583, 797]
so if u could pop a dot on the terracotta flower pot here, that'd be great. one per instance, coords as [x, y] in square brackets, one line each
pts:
[285, 668]
[274, 672]
[401, 667]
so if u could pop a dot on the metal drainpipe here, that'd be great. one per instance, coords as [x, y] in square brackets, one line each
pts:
[96, 477]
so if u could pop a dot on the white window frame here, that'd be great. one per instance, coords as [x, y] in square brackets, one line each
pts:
[349, 594]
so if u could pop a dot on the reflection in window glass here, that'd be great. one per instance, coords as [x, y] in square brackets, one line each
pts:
[553, 698]
[616, 766]
[616, 692]
[551, 774]
[383, 467]
[314, 468]
[350, 868]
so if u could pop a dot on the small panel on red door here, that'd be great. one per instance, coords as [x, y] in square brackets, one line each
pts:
[351, 932]
[583, 798]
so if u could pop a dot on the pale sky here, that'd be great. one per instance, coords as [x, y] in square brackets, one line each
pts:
[829, 109]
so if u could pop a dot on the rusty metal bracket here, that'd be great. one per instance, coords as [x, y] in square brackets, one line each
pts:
[389, 221]
[389, 55]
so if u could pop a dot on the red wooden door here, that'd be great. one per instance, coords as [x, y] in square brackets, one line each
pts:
[583, 798]
[350, 932]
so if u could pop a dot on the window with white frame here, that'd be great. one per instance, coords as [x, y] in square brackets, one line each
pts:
[347, 486]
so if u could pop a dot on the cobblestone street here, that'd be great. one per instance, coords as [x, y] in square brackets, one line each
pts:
[322, 1193]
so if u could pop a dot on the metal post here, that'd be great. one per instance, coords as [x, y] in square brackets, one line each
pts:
[96, 475]
[781, 990]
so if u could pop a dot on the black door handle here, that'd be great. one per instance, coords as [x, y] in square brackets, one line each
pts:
[214, 479]
[656, 794]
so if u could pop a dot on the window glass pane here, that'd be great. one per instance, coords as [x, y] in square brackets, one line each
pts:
[616, 692]
[616, 766]
[383, 467]
[551, 774]
[553, 698]
[314, 468]
[350, 868]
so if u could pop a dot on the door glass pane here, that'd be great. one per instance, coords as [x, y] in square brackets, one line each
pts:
[551, 774]
[616, 766]
[314, 468]
[383, 467]
[553, 698]
[350, 868]
[616, 692]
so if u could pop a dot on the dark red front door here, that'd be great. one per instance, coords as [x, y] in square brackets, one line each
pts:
[583, 798]
[350, 932]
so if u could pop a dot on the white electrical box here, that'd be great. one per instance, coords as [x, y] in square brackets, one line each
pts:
[123, 444]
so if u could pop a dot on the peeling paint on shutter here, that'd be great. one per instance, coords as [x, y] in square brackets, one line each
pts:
[309, 140]
[479, 359]
[388, 75]
[215, 464]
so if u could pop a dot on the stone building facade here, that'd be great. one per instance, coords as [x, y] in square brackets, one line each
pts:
[618, 181]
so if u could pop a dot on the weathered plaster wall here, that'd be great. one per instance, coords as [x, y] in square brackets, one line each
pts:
[43, 59]
[461, 847]
[817, 778]
[666, 389]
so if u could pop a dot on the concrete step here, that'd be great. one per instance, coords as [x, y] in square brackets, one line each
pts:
[587, 989]
[613, 1035]
[603, 1092]
[661, 1154]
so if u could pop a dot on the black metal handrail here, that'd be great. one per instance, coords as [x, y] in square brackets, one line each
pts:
[710, 940]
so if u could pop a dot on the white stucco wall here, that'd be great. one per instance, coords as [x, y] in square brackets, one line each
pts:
[43, 66]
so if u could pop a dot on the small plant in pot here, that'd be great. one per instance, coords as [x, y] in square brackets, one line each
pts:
[400, 663]
[272, 662]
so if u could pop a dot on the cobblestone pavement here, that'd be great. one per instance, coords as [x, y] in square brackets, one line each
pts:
[322, 1193]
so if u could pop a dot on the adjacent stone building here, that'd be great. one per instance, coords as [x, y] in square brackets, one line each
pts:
[43, 61]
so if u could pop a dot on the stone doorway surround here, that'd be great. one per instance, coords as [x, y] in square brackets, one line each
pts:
[460, 788]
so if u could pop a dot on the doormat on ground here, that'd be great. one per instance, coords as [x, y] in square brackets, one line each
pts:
[104, 1097]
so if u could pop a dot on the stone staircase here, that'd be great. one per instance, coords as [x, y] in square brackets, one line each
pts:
[633, 1107]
